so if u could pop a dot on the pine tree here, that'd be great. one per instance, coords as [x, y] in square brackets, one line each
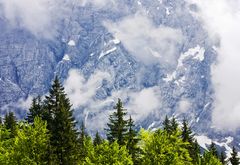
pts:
[173, 125]
[35, 109]
[117, 126]
[11, 123]
[0, 120]
[188, 136]
[166, 124]
[61, 124]
[223, 158]
[97, 140]
[195, 153]
[213, 150]
[132, 141]
[234, 159]
[83, 138]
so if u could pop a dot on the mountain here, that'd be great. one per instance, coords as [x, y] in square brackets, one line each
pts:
[155, 55]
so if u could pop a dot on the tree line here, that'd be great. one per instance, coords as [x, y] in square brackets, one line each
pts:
[48, 135]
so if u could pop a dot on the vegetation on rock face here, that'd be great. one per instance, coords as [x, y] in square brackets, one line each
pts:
[49, 136]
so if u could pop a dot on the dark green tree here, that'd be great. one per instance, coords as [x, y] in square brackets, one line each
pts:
[193, 147]
[61, 124]
[117, 126]
[223, 158]
[213, 150]
[234, 159]
[97, 140]
[209, 159]
[132, 141]
[83, 139]
[35, 109]
[187, 134]
[173, 125]
[10, 123]
[166, 125]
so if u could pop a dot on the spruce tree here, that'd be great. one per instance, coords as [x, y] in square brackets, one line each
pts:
[11, 123]
[83, 138]
[132, 141]
[117, 126]
[35, 109]
[173, 125]
[188, 136]
[213, 150]
[223, 158]
[97, 140]
[61, 124]
[166, 124]
[234, 159]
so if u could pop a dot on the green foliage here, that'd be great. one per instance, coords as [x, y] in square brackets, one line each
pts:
[36, 109]
[160, 148]
[5, 144]
[11, 123]
[61, 124]
[28, 147]
[234, 159]
[132, 142]
[117, 126]
[210, 159]
[84, 143]
[193, 147]
[213, 150]
[223, 158]
[97, 140]
[109, 154]
[166, 125]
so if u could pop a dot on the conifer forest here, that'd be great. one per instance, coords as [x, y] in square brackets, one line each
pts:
[49, 135]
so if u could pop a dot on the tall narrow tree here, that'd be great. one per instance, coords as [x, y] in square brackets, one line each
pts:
[223, 158]
[166, 124]
[213, 150]
[117, 126]
[97, 140]
[35, 109]
[173, 125]
[61, 125]
[83, 138]
[10, 123]
[234, 159]
[132, 141]
[188, 136]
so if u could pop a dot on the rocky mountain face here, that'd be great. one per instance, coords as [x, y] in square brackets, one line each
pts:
[91, 43]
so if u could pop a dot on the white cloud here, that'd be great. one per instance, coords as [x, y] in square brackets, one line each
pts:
[139, 105]
[147, 42]
[24, 103]
[222, 20]
[80, 90]
[38, 16]
[184, 105]
[144, 102]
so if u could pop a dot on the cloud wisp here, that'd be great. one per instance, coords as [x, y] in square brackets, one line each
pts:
[40, 17]
[221, 19]
[147, 42]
